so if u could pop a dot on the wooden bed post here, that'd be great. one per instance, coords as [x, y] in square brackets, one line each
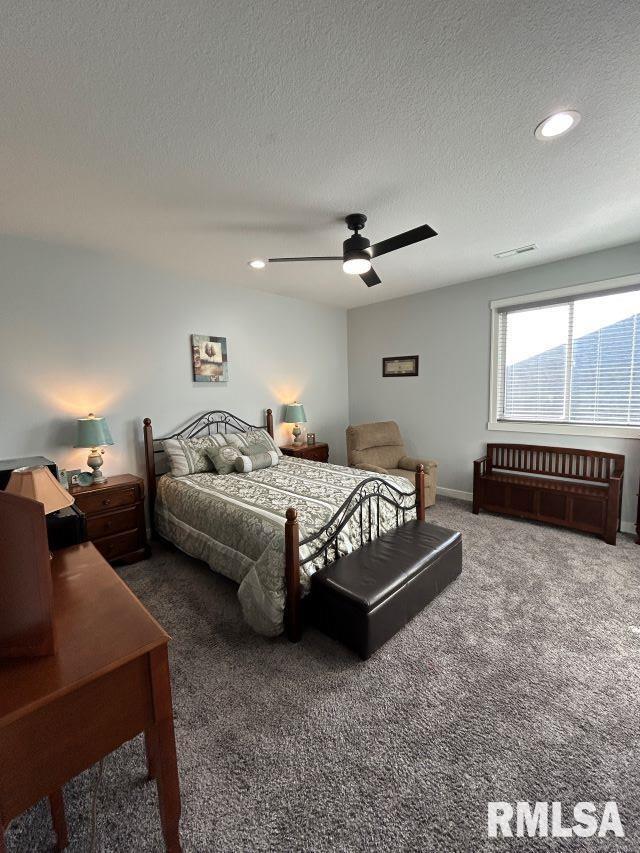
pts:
[270, 422]
[420, 492]
[150, 464]
[292, 575]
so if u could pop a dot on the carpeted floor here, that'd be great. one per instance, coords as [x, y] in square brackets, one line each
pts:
[521, 682]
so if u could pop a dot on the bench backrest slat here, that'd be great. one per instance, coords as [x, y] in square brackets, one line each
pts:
[593, 465]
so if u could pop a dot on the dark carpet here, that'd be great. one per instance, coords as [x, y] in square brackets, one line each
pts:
[520, 682]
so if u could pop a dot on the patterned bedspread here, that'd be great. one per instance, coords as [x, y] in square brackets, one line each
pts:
[235, 523]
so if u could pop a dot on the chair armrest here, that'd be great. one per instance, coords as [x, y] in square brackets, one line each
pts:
[409, 463]
[479, 465]
[374, 469]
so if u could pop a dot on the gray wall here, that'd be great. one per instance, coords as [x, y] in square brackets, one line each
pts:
[82, 331]
[444, 411]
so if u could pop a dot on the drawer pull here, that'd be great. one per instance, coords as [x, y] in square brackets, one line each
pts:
[106, 502]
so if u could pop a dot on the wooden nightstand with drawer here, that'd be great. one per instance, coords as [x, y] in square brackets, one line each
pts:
[319, 452]
[115, 517]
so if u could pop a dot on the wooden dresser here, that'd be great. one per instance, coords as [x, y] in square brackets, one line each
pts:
[107, 681]
[115, 517]
[318, 452]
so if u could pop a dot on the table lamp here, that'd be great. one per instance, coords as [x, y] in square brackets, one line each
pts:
[39, 484]
[294, 414]
[94, 433]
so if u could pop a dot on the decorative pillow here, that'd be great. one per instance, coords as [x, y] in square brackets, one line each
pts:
[223, 458]
[188, 455]
[255, 461]
[261, 437]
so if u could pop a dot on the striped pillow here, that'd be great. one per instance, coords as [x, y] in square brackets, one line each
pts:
[242, 440]
[189, 456]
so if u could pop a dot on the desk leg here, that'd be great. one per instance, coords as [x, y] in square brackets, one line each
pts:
[56, 804]
[151, 748]
[165, 755]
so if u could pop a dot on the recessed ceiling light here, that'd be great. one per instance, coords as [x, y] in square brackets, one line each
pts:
[257, 264]
[557, 125]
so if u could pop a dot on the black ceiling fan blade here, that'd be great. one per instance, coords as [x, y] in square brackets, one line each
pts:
[319, 258]
[422, 232]
[370, 278]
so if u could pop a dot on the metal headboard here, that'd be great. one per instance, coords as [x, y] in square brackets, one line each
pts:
[208, 423]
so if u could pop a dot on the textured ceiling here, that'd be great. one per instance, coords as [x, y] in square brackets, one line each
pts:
[197, 135]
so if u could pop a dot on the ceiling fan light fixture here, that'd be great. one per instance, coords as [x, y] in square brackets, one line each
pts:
[356, 266]
[357, 263]
[257, 264]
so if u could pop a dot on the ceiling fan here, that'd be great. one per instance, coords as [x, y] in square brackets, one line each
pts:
[357, 251]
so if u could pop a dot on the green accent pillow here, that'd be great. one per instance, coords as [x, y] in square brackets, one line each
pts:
[223, 458]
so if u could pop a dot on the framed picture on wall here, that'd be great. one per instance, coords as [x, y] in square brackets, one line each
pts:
[209, 358]
[400, 365]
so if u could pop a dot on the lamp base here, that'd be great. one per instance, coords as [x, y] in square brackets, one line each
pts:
[297, 436]
[94, 462]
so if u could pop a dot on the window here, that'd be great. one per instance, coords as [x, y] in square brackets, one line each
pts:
[568, 364]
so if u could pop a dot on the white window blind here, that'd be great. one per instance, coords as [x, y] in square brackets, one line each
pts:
[575, 361]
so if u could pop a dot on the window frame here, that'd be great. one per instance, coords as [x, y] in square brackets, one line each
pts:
[547, 427]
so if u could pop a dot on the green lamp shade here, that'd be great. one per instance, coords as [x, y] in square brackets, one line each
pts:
[93, 432]
[294, 414]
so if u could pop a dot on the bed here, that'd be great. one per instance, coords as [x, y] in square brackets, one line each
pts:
[270, 530]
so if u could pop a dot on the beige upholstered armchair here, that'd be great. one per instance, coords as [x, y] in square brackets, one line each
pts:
[379, 447]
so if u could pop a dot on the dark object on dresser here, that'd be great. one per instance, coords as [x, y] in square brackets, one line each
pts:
[581, 489]
[318, 452]
[9, 465]
[26, 603]
[66, 527]
[107, 681]
[366, 597]
[115, 517]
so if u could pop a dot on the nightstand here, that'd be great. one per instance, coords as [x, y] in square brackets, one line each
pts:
[319, 452]
[115, 517]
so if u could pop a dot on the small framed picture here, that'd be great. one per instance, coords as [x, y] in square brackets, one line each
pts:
[209, 358]
[311, 438]
[400, 365]
[72, 477]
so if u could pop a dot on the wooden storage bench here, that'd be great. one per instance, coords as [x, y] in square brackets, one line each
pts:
[581, 489]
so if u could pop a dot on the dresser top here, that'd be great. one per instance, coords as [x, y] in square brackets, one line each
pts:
[99, 624]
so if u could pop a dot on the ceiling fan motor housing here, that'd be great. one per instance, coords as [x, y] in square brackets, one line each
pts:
[356, 247]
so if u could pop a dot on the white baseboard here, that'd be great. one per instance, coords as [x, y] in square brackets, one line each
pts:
[454, 493]
[625, 526]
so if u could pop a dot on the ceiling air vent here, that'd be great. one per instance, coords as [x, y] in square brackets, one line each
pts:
[519, 251]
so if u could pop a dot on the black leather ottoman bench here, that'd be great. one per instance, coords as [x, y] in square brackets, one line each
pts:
[364, 598]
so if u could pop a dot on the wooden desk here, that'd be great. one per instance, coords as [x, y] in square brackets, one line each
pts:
[107, 682]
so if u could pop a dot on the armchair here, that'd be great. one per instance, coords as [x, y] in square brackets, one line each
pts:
[379, 448]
